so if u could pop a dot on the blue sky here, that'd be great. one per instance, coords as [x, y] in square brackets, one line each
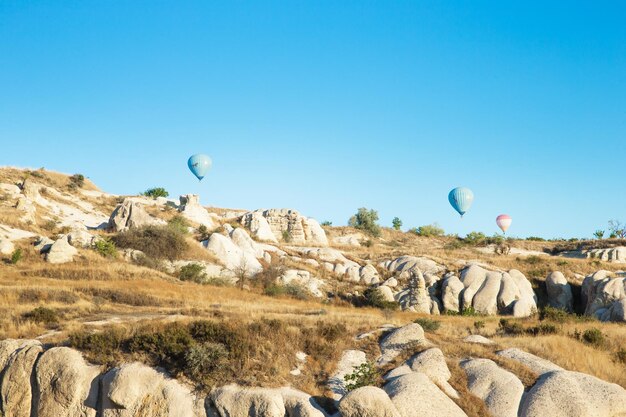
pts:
[328, 106]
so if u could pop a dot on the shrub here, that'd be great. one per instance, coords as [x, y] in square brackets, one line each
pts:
[286, 236]
[617, 229]
[156, 192]
[374, 298]
[367, 243]
[511, 328]
[102, 347]
[598, 234]
[475, 239]
[620, 355]
[77, 181]
[16, 256]
[396, 223]
[554, 314]
[203, 233]
[158, 242]
[292, 290]
[192, 272]
[179, 224]
[364, 375]
[479, 324]
[542, 329]
[366, 220]
[167, 346]
[49, 225]
[202, 360]
[429, 230]
[469, 312]
[429, 325]
[593, 336]
[455, 244]
[42, 315]
[535, 239]
[105, 247]
[533, 260]
[327, 223]
[131, 298]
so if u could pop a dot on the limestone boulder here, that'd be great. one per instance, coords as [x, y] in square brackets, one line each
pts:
[451, 289]
[572, 394]
[559, 292]
[400, 339]
[303, 278]
[403, 264]
[432, 363]
[67, 385]
[61, 251]
[300, 404]
[386, 293]
[15, 388]
[235, 401]
[286, 222]
[258, 226]
[367, 402]
[500, 390]
[231, 255]
[615, 255]
[415, 395]
[534, 363]
[81, 238]
[478, 339]
[130, 214]
[602, 294]
[6, 247]
[191, 209]
[348, 240]
[137, 390]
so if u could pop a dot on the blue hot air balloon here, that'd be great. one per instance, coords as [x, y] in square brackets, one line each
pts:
[461, 199]
[199, 164]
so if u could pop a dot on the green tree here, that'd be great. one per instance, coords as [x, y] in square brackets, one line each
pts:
[598, 234]
[156, 192]
[397, 223]
[429, 230]
[366, 220]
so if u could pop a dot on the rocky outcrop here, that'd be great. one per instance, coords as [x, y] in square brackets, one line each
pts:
[411, 335]
[191, 209]
[572, 394]
[432, 363]
[421, 294]
[350, 360]
[334, 261]
[6, 247]
[415, 395]
[616, 255]
[68, 386]
[15, 389]
[451, 290]
[478, 339]
[402, 265]
[367, 402]
[559, 292]
[492, 292]
[232, 256]
[500, 390]
[603, 296]
[303, 278]
[130, 214]
[287, 225]
[235, 401]
[536, 364]
[61, 252]
[348, 240]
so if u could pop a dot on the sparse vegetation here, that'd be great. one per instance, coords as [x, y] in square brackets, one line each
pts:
[158, 242]
[396, 223]
[286, 236]
[105, 247]
[156, 192]
[617, 229]
[179, 224]
[364, 375]
[366, 220]
[374, 298]
[42, 315]
[77, 181]
[193, 272]
[593, 336]
[598, 234]
[327, 223]
[429, 230]
[16, 256]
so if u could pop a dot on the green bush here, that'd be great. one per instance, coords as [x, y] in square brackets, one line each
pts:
[16, 256]
[366, 220]
[42, 315]
[77, 181]
[156, 192]
[327, 223]
[542, 329]
[203, 233]
[511, 328]
[192, 272]
[286, 236]
[429, 325]
[429, 230]
[106, 248]
[104, 346]
[158, 242]
[475, 239]
[396, 223]
[364, 375]
[167, 346]
[179, 224]
[205, 359]
[554, 314]
[374, 298]
[535, 239]
[593, 336]
[469, 312]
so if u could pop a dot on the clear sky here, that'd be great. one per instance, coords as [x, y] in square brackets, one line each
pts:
[327, 106]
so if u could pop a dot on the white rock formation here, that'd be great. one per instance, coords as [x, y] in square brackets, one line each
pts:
[603, 295]
[532, 362]
[191, 209]
[15, 389]
[400, 339]
[500, 390]
[559, 292]
[616, 255]
[258, 226]
[231, 255]
[300, 229]
[350, 360]
[61, 251]
[235, 401]
[478, 339]
[415, 395]
[432, 363]
[304, 279]
[367, 402]
[348, 240]
[129, 215]
[6, 247]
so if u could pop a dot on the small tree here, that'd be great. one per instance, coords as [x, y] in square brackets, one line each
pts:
[397, 223]
[156, 192]
[242, 272]
[617, 229]
[364, 375]
[598, 234]
[77, 181]
[429, 230]
[366, 220]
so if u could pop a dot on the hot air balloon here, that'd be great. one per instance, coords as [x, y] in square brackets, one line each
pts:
[504, 222]
[461, 199]
[199, 164]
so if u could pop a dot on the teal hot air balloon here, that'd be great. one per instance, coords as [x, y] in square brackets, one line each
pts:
[199, 164]
[461, 199]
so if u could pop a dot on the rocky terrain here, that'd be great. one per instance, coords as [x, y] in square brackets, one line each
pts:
[95, 285]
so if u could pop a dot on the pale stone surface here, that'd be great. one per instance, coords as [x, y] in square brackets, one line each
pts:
[300, 229]
[258, 226]
[451, 289]
[500, 390]
[400, 339]
[386, 293]
[300, 404]
[603, 294]
[559, 292]
[415, 395]
[68, 386]
[235, 401]
[231, 255]
[405, 263]
[616, 255]
[348, 240]
[15, 389]
[478, 339]
[350, 360]
[432, 363]
[129, 215]
[304, 279]
[61, 252]
[191, 209]
[367, 402]
[534, 363]
[6, 247]
[80, 238]
[572, 394]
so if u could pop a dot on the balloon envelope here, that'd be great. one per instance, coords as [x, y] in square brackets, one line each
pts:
[199, 164]
[504, 222]
[461, 199]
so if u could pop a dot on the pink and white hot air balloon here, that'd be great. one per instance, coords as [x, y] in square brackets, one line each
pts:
[504, 222]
